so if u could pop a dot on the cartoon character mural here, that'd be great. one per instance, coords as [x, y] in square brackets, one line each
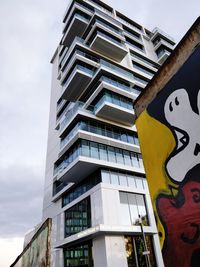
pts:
[169, 133]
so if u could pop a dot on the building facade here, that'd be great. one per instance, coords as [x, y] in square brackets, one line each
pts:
[95, 187]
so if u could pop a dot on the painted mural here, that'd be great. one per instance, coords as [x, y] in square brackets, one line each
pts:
[169, 133]
[37, 252]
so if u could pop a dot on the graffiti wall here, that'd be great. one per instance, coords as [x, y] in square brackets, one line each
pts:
[169, 133]
[37, 252]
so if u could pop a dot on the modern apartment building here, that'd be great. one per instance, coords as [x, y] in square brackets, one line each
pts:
[95, 186]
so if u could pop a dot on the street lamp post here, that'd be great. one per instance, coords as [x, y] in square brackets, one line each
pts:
[146, 252]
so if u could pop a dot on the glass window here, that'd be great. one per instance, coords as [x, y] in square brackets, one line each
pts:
[127, 158]
[125, 218]
[134, 250]
[130, 139]
[111, 154]
[123, 179]
[119, 156]
[94, 150]
[105, 177]
[99, 130]
[85, 148]
[80, 255]
[78, 217]
[124, 137]
[133, 206]
[103, 152]
[109, 132]
[139, 183]
[114, 178]
[140, 161]
[116, 100]
[131, 181]
[136, 141]
[124, 102]
[142, 208]
[134, 160]
[81, 188]
[116, 134]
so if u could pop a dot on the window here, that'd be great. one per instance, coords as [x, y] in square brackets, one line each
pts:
[85, 148]
[102, 152]
[113, 98]
[105, 176]
[125, 218]
[143, 69]
[134, 44]
[78, 218]
[81, 188]
[144, 59]
[134, 250]
[101, 129]
[95, 150]
[114, 178]
[111, 154]
[132, 206]
[123, 179]
[78, 256]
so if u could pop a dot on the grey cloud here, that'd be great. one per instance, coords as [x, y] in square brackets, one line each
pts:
[29, 36]
[20, 198]
[173, 16]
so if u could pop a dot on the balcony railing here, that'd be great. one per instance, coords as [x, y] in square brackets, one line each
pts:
[110, 39]
[68, 50]
[117, 84]
[100, 130]
[101, 152]
[156, 29]
[108, 26]
[106, 98]
[70, 114]
[116, 69]
[58, 188]
[78, 67]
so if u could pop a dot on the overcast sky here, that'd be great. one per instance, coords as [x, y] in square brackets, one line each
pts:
[30, 31]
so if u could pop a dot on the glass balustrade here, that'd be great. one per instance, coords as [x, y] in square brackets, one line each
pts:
[116, 69]
[101, 152]
[100, 129]
[108, 37]
[116, 100]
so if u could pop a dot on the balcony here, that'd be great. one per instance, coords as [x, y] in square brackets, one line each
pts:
[77, 72]
[162, 56]
[105, 37]
[118, 110]
[100, 133]
[76, 28]
[160, 42]
[114, 70]
[158, 32]
[85, 157]
[80, 75]
[108, 46]
[112, 84]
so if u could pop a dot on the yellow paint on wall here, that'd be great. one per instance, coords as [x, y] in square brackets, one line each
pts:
[156, 142]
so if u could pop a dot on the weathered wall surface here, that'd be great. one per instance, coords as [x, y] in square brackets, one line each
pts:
[37, 252]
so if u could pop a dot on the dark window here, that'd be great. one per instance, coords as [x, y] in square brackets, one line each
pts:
[78, 256]
[134, 251]
[81, 188]
[78, 218]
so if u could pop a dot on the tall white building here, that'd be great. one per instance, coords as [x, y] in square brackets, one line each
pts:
[95, 186]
